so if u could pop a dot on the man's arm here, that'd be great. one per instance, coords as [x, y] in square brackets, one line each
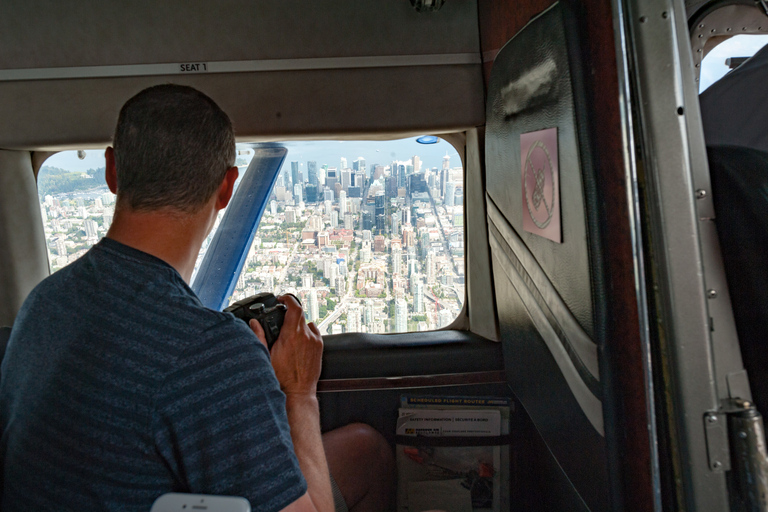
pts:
[297, 359]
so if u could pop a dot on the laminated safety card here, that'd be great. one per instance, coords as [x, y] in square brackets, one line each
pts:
[453, 454]
[448, 422]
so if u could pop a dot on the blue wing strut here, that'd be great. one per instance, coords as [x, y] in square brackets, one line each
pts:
[225, 257]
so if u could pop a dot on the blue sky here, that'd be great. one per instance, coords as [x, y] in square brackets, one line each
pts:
[323, 152]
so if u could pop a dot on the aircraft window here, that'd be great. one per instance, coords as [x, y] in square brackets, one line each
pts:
[369, 234]
[714, 65]
[75, 203]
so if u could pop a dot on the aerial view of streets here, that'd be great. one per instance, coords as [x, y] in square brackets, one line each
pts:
[367, 248]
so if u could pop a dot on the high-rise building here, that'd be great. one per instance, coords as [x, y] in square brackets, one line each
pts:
[450, 191]
[295, 174]
[359, 164]
[61, 248]
[367, 220]
[273, 207]
[418, 297]
[342, 202]
[401, 315]
[353, 318]
[343, 163]
[349, 221]
[297, 196]
[91, 228]
[328, 194]
[312, 173]
[331, 178]
[416, 164]
[368, 314]
[446, 162]
[334, 219]
[430, 269]
[381, 223]
[311, 193]
[306, 281]
[339, 286]
[313, 309]
[413, 266]
[397, 260]
[346, 179]
[458, 196]
[395, 227]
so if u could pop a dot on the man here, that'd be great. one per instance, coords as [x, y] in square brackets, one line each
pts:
[118, 385]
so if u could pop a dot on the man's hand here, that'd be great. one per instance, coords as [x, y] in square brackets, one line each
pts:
[297, 353]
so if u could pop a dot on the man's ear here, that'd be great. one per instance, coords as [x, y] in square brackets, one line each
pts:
[224, 193]
[111, 172]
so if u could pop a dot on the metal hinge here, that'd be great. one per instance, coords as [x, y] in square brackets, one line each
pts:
[736, 443]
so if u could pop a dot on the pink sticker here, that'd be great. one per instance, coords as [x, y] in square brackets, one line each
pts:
[541, 184]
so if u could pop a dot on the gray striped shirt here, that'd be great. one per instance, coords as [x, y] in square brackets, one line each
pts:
[118, 386]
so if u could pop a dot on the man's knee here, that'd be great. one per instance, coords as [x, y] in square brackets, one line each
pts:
[366, 442]
[363, 465]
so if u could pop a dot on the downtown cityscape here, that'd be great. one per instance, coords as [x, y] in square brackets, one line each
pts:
[367, 247]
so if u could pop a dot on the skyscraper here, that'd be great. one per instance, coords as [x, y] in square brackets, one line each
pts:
[353, 318]
[416, 164]
[450, 191]
[418, 297]
[359, 164]
[401, 315]
[312, 172]
[368, 314]
[397, 260]
[331, 178]
[297, 195]
[342, 202]
[313, 309]
[395, 228]
[295, 173]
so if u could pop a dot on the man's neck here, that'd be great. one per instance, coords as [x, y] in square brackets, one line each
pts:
[174, 237]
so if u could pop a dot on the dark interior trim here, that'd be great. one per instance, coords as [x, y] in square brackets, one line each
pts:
[357, 356]
[411, 382]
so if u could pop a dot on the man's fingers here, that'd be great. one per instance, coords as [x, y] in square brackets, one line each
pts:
[295, 313]
[314, 328]
[258, 331]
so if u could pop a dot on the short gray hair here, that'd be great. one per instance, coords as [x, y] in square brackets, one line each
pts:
[173, 146]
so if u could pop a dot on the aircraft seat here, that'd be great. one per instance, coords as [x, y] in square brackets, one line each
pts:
[739, 181]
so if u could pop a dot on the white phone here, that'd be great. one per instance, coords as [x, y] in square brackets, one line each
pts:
[178, 502]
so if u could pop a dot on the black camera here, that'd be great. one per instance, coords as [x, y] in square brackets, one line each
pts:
[265, 308]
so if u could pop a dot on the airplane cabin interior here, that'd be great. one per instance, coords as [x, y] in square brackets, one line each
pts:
[595, 301]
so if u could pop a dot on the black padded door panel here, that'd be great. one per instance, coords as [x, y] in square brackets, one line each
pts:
[546, 291]
[535, 63]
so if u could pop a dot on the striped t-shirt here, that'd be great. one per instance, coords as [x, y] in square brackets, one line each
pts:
[118, 386]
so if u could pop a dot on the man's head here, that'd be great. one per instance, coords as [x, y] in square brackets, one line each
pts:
[173, 147]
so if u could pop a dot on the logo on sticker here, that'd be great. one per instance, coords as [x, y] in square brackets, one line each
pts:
[543, 193]
[541, 209]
